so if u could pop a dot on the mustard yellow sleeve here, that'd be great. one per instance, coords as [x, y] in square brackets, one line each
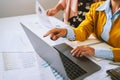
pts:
[83, 31]
[89, 25]
[116, 53]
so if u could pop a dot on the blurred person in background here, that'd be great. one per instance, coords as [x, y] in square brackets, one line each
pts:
[74, 10]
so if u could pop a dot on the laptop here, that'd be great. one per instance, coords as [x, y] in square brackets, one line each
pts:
[60, 58]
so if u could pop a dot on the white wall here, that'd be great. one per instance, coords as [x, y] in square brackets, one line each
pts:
[22, 7]
[16, 7]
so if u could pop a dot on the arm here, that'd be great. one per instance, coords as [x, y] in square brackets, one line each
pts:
[116, 54]
[112, 54]
[84, 30]
[55, 10]
[105, 53]
[90, 24]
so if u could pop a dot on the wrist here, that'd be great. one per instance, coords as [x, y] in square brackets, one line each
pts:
[93, 51]
[64, 31]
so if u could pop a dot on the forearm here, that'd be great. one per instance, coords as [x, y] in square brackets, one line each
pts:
[58, 7]
[104, 53]
[112, 54]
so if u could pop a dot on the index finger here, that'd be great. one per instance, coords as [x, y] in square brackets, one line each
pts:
[48, 33]
[47, 12]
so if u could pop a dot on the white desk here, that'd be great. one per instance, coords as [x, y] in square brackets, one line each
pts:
[14, 39]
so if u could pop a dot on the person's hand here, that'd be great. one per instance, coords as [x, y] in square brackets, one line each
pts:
[51, 12]
[80, 51]
[55, 33]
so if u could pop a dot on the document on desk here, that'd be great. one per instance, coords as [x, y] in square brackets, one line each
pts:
[12, 36]
[89, 42]
[40, 11]
[22, 66]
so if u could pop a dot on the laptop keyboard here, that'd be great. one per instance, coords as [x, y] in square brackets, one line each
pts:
[72, 69]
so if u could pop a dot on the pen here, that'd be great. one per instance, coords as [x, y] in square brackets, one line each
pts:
[115, 63]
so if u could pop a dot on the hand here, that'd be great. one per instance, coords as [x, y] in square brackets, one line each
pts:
[55, 33]
[51, 12]
[80, 51]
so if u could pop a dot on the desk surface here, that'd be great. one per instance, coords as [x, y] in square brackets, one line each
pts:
[14, 39]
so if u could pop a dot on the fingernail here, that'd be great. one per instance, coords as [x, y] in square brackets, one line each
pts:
[44, 35]
[72, 54]
[71, 51]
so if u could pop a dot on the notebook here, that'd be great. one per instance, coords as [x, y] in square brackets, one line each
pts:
[61, 60]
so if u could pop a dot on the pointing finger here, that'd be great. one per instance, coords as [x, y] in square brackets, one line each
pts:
[48, 33]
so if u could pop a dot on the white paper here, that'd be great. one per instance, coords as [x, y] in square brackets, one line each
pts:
[12, 36]
[42, 16]
[13, 61]
[20, 66]
[1, 67]
[24, 66]
[89, 42]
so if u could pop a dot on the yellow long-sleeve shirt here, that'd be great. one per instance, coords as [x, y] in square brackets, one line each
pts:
[94, 23]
